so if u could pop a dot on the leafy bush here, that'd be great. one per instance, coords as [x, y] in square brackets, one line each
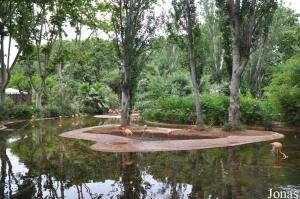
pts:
[284, 91]
[251, 111]
[215, 108]
[60, 102]
[51, 111]
[175, 109]
[22, 111]
[97, 97]
[182, 109]
[153, 87]
[226, 127]
[268, 114]
[15, 111]
[171, 109]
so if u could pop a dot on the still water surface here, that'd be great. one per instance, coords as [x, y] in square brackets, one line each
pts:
[37, 163]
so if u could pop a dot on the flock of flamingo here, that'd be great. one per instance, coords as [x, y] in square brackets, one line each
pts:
[127, 132]
[277, 146]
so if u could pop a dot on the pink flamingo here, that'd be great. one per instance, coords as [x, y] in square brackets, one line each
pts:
[126, 131]
[278, 146]
[145, 129]
[169, 132]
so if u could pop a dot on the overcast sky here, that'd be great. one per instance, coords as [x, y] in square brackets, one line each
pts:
[293, 4]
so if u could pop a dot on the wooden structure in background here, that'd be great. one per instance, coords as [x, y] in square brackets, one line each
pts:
[19, 97]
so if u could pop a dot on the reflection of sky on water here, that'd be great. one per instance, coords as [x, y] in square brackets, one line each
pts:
[18, 169]
[291, 188]
[108, 188]
[35, 155]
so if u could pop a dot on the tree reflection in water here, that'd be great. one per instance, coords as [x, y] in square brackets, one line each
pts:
[234, 185]
[37, 163]
[131, 177]
[7, 177]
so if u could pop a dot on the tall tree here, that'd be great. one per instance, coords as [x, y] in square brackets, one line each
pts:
[134, 25]
[43, 27]
[8, 14]
[216, 51]
[280, 44]
[224, 24]
[248, 20]
[185, 15]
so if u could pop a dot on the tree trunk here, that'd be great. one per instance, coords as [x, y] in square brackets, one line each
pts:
[38, 100]
[125, 103]
[125, 100]
[2, 97]
[60, 61]
[199, 119]
[3, 73]
[234, 106]
[59, 71]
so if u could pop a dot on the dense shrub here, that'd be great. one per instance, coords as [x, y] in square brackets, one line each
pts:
[15, 111]
[215, 108]
[97, 98]
[284, 91]
[60, 102]
[153, 87]
[268, 113]
[176, 109]
[52, 111]
[88, 110]
[171, 109]
[251, 111]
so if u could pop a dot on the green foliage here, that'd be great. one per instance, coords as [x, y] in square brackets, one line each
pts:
[60, 101]
[284, 91]
[283, 42]
[172, 109]
[176, 109]
[226, 127]
[15, 111]
[52, 111]
[267, 109]
[158, 64]
[215, 108]
[153, 87]
[97, 98]
[94, 60]
[19, 80]
[251, 111]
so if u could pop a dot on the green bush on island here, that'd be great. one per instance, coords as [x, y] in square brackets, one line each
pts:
[251, 110]
[215, 108]
[175, 109]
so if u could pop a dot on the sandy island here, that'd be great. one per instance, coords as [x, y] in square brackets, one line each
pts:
[109, 138]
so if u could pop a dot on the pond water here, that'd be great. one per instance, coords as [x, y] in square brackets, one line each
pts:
[37, 163]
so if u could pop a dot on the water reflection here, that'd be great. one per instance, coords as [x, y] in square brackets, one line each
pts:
[37, 163]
